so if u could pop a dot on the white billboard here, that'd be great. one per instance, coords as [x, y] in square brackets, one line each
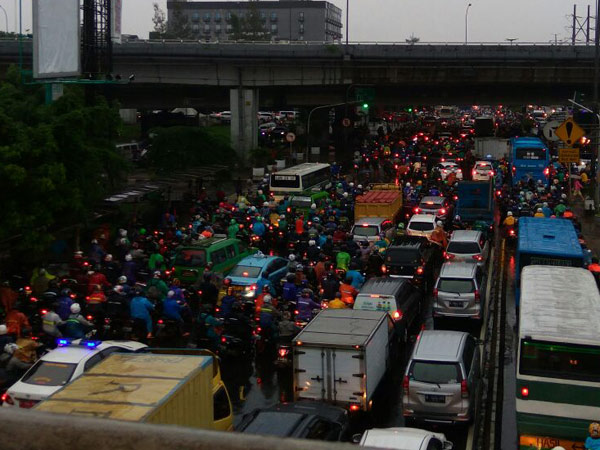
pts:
[56, 47]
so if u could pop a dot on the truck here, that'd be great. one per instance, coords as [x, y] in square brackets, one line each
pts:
[475, 201]
[484, 126]
[342, 355]
[168, 389]
[491, 148]
[383, 203]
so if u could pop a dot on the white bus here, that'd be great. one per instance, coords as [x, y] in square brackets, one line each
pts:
[302, 178]
[558, 365]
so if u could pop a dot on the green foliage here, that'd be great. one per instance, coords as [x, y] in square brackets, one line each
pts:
[56, 161]
[250, 27]
[180, 147]
[179, 26]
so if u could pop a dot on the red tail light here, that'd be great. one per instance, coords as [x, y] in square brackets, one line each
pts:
[491, 173]
[283, 352]
[511, 232]
[398, 315]
[33, 299]
[417, 210]
[223, 339]
[514, 169]
[435, 293]
[90, 317]
[477, 296]
[43, 312]
[253, 287]
[443, 211]
[160, 321]
[405, 385]
[473, 172]
[383, 268]
[354, 407]
[7, 399]
[420, 271]
[478, 257]
[464, 390]
[546, 171]
[524, 392]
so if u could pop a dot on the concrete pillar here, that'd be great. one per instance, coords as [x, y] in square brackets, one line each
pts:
[244, 120]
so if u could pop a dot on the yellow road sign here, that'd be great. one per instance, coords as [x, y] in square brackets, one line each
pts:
[569, 132]
[568, 155]
[548, 443]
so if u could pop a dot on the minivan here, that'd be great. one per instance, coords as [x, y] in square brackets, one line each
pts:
[369, 228]
[397, 296]
[468, 246]
[442, 378]
[421, 225]
[459, 291]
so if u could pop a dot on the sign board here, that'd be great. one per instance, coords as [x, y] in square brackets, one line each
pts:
[568, 155]
[365, 94]
[346, 122]
[290, 137]
[569, 132]
[550, 130]
[543, 442]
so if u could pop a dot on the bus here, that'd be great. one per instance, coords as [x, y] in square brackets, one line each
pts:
[302, 178]
[547, 242]
[558, 357]
[530, 158]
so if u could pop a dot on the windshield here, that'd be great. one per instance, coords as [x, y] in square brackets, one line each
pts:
[402, 257]
[468, 248]
[191, 258]
[46, 373]
[530, 153]
[301, 202]
[557, 360]
[421, 226]
[360, 230]
[245, 271]
[430, 205]
[456, 285]
[434, 372]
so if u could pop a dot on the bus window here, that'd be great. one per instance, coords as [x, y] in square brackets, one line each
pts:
[530, 153]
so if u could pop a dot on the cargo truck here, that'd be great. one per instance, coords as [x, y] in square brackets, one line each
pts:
[475, 202]
[491, 148]
[148, 388]
[342, 355]
[375, 212]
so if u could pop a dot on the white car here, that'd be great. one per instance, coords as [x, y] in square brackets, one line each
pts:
[421, 225]
[405, 439]
[59, 366]
[482, 171]
[448, 167]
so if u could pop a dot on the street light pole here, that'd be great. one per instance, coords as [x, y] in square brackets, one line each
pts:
[596, 110]
[310, 115]
[467, 23]
[5, 17]
[347, 14]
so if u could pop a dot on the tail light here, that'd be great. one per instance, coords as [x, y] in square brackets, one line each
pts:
[473, 172]
[398, 315]
[354, 407]
[383, 268]
[223, 339]
[478, 257]
[443, 211]
[7, 399]
[546, 171]
[33, 299]
[524, 392]
[90, 317]
[283, 352]
[107, 321]
[511, 231]
[477, 296]
[405, 385]
[435, 292]
[160, 321]
[417, 210]
[296, 312]
[420, 270]
[491, 172]
[253, 287]
[514, 169]
[464, 390]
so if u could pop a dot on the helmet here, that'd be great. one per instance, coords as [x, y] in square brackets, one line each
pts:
[266, 204]
[351, 184]
[65, 292]
[282, 216]
[306, 292]
[291, 278]
[312, 242]
[558, 447]
[128, 257]
[253, 208]
[539, 210]
[3, 330]
[382, 250]
[509, 213]
[232, 222]
[75, 308]
[594, 429]
[171, 294]
[260, 192]
[156, 274]
[313, 206]
[419, 183]
[299, 268]
[407, 184]
[267, 299]
[292, 257]
[122, 279]
[563, 196]
[123, 232]
[259, 219]
[457, 218]
[439, 223]
[359, 186]
[316, 220]
[339, 185]
[108, 258]
[401, 226]
[345, 195]
[94, 241]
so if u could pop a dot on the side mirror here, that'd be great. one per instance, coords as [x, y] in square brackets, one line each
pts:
[356, 438]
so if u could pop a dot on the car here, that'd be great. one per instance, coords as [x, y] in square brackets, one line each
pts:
[469, 246]
[369, 228]
[412, 257]
[448, 167]
[60, 366]
[482, 171]
[223, 116]
[421, 225]
[442, 378]
[300, 420]
[265, 116]
[404, 439]
[459, 291]
[438, 206]
[248, 272]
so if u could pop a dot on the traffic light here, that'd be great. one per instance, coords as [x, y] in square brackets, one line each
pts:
[409, 110]
[365, 106]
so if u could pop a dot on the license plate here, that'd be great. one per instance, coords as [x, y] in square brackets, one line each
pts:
[435, 398]
[189, 273]
[456, 304]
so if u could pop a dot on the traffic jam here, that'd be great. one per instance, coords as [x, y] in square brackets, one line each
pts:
[432, 289]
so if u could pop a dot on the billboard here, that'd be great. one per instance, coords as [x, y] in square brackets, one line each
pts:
[56, 48]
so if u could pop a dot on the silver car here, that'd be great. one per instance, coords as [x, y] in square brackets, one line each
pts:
[442, 378]
[468, 246]
[369, 228]
[459, 291]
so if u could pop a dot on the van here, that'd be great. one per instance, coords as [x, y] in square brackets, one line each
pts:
[303, 201]
[421, 225]
[468, 246]
[404, 439]
[442, 378]
[224, 253]
[459, 291]
[370, 228]
[397, 296]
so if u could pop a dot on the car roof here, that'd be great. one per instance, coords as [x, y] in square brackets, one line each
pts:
[397, 438]
[383, 286]
[439, 345]
[483, 162]
[413, 242]
[433, 198]
[76, 353]
[423, 218]
[257, 260]
[458, 270]
[465, 236]
[370, 221]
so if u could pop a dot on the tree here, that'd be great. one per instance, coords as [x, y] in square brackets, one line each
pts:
[412, 40]
[179, 26]
[251, 27]
[56, 161]
[159, 20]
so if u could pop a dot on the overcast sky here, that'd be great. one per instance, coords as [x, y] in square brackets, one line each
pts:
[396, 20]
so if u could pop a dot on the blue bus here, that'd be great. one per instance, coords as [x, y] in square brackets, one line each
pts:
[530, 158]
[546, 242]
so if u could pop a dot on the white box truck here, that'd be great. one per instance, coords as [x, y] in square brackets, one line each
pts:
[485, 147]
[342, 355]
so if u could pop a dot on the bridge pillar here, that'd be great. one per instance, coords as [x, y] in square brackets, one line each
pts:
[244, 121]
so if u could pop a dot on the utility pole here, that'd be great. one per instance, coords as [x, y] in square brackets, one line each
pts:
[596, 109]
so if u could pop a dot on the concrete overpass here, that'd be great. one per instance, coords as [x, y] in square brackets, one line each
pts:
[242, 76]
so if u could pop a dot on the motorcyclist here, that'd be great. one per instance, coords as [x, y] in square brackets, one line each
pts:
[210, 326]
[16, 321]
[96, 278]
[117, 306]
[439, 235]
[348, 292]
[357, 278]
[510, 220]
[258, 227]
[227, 303]
[233, 229]
[313, 252]
[139, 309]
[290, 291]
[593, 440]
[76, 325]
[130, 269]
[171, 308]
[342, 259]
[287, 327]
[306, 305]
[400, 230]
[111, 269]
[156, 288]
[51, 321]
[64, 304]
[337, 302]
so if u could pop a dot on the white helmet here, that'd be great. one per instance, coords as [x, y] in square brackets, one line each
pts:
[312, 242]
[94, 241]
[292, 257]
[439, 223]
[313, 206]
[282, 216]
[266, 204]
[128, 257]
[509, 213]
[171, 294]
[563, 196]
[351, 184]
[359, 186]
[539, 210]
[260, 192]
[108, 258]
[407, 184]
[75, 308]
[123, 232]
[267, 299]
[122, 279]
[3, 330]
[345, 195]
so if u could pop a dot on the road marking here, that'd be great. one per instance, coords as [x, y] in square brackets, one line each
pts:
[487, 296]
[469, 444]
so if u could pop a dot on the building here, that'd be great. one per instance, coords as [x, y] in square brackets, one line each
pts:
[293, 20]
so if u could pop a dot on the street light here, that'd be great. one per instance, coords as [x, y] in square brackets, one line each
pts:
[5, 17]
[511, 40]
[347, 14]
[467, 23]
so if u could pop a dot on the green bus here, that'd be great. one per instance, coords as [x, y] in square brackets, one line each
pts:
[224, 253]
[558, 364]
[302, 202]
